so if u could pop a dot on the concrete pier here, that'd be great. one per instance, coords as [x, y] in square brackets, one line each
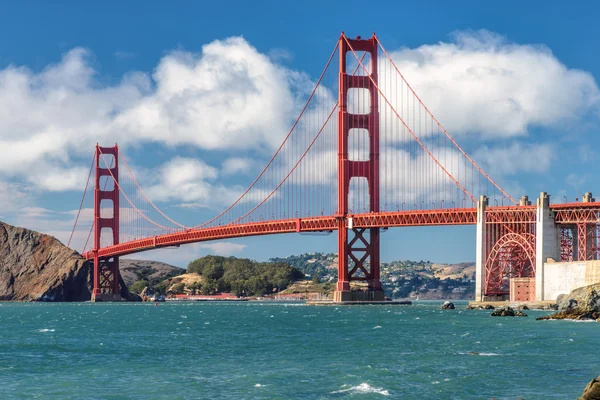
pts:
[480, 249]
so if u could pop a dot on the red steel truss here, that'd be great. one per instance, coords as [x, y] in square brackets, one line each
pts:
[509, 246]
[512, 256]
[315, 224]
[566, 244]
[106, 269]
[365, 256]
[579, 230]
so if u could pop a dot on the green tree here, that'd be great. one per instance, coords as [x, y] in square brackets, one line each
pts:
[178, 288]
[209, 286]
[161, 288]
[315, 279]
[213, 271]
[138, 286]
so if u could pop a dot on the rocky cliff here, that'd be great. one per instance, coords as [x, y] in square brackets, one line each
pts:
[38, 267]
[581, 304]
[591, 391]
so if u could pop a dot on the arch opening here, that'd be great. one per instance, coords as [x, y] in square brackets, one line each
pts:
[512, 256]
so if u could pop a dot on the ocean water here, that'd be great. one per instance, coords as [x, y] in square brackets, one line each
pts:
[288, 351]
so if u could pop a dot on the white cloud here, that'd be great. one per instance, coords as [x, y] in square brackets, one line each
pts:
[223, 248]
[192, 182]
[238, 165]
[516, 158]
[13, 196]
[228, 96]
[484, 85]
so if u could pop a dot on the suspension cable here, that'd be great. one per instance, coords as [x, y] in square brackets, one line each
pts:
[82, 200]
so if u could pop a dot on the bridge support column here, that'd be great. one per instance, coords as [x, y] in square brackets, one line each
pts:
[358, 251]
[106, 269]
[547, 242]
[480, 251]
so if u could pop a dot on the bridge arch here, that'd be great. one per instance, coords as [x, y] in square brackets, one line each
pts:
[512, 256]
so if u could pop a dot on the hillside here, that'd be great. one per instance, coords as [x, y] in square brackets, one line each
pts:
[38, 267]
[241, 276]
[400, 279]
[151, 271]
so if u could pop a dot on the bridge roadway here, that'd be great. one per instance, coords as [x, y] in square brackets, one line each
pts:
[565, 214]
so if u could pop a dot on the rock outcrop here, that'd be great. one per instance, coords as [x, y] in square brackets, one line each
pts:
[38, 267]
[507, 312]
[581, 304]
[448, 305]
[480, 307]
[592, 390]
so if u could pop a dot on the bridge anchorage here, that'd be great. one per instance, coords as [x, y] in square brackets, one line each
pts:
[384, 162]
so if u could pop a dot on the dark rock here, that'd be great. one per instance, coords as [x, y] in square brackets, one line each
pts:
[480, 307]
[519, 313]
[591, 391]
[523, 307]
[448, 305]
[503, 312]
[581, 304]
[572, 304]
[38, 267]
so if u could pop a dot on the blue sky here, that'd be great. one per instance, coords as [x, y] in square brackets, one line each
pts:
[71, 72]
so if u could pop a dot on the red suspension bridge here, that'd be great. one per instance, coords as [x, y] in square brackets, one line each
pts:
[365, 153]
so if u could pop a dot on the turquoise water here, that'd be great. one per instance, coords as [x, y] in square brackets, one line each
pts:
[277, 351]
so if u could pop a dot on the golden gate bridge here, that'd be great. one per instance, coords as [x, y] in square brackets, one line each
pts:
[364, 153]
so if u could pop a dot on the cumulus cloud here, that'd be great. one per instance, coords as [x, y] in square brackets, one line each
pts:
[484, 85]
[507, 160]
[238, 165]
[228, 96]
[14, 196]
[192, 182]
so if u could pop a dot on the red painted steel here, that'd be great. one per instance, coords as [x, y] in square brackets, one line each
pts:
[512, 256]
[578, 221]
[222, 232]
[509, 246]
[365, 256]
[566, 244]
[460, 216]
[106, 269]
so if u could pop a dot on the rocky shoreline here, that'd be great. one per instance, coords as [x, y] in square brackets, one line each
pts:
[582, 304]
[38, 267]
[592, 390]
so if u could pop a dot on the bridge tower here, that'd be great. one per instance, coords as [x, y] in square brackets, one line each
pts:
[106, 269]
[358, 256]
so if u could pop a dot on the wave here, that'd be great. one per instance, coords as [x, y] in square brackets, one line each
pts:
[363, 388]
[482, 354]
[46, 330]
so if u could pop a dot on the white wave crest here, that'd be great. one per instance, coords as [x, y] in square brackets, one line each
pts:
[46, 330]
[363, 388]
[477, 353]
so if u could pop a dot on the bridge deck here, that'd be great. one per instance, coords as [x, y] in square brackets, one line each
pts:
[565, 214]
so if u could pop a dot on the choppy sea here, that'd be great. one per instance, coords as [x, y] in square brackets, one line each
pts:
[288, 351]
